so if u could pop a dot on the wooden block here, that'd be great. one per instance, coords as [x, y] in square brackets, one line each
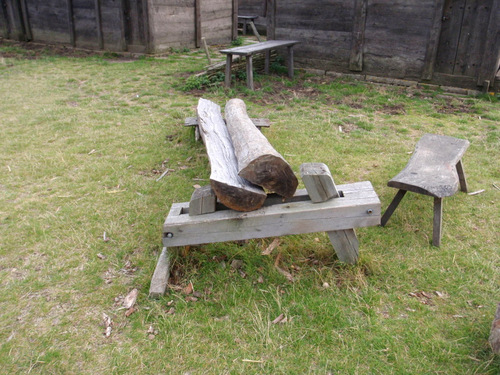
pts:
[359, 207]
[202, 201]
[159, 281]
[346, 245]
[318, 182]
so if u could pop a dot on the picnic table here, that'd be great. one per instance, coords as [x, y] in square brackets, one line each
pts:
[252, 49]
[248, 20]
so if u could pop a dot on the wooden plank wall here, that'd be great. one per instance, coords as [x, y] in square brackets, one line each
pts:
[404, 39]
[216, 21]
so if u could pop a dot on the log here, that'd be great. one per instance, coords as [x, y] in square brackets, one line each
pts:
[232, 190]
[494, 339]
[258, 161]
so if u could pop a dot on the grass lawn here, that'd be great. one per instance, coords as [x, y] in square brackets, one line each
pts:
[83, 141]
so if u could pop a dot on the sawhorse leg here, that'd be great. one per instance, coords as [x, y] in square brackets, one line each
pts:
[290, 61]
[159, 281]
[392, 207]
[346, 245]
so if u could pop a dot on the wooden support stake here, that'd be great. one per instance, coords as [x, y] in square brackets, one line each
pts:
[358, 36]
[159, 282]
[320, 186]
[197, 21]
[97, 9]
[254, 29]
[207, 52]
[433, 42]
[234, 28]
[71, 23]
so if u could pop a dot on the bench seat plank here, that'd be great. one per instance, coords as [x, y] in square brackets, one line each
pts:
[432, 168]
[252, 49]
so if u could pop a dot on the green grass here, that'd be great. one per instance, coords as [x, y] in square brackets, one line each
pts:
[83, 142]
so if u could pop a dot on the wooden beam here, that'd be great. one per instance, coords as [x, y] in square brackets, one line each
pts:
[146, 34]
[123, 25]
[258, 161]
[491, 56]
[271, 19]
[232, 190]
[26, 20]
[234, 29]
[6, 28]
[433, 42]
[97, 9]
[197, 22]
[360, 207]
[358, 36]
[71, 23]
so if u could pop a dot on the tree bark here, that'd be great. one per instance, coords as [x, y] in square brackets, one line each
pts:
[258, 161]
[232, 190]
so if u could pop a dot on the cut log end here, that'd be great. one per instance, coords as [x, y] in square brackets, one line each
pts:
[236, 198]
[272, 173]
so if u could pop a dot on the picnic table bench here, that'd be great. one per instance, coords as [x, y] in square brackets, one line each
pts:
[252, 49]
[435, 169]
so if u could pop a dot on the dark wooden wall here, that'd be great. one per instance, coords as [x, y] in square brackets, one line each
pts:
[120, 25]
[449, 42]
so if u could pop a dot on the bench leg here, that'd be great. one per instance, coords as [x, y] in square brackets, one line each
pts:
[392, 207]
[437, 224]
[250, 72]
[159, 281]
[290, 61]
[346, 245]
[267, 62]
[461, 176]
[229, 61]
[244, 31]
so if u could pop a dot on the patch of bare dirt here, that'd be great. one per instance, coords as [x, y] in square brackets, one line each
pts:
[451, 108]
[394, 109]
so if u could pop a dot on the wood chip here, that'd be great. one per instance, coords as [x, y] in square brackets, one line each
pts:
[477, 192]
[107, 324]
[130, 311]
[105, 238]
[287, 274]
[273, 245]
[188, 289]
[279, 319]
[100, 256]
[130, 299]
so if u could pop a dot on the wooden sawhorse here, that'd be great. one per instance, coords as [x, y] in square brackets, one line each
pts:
[435, 168]
[323, 207]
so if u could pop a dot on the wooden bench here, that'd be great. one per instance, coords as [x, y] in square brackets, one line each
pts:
[321, 207]
[248, 20]
[250, 50]
[435, 168]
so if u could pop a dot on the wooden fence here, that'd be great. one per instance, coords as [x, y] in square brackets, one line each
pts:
[120, 25]
[447, 42]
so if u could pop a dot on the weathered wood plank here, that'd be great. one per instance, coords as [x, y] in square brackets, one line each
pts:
[271, 19]
[252, 49]
[491, 60]
[197, 22]
[232, 190]
[258, 122]
[358, 36]
[360, 207]
[159, 282]
[258, 161]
